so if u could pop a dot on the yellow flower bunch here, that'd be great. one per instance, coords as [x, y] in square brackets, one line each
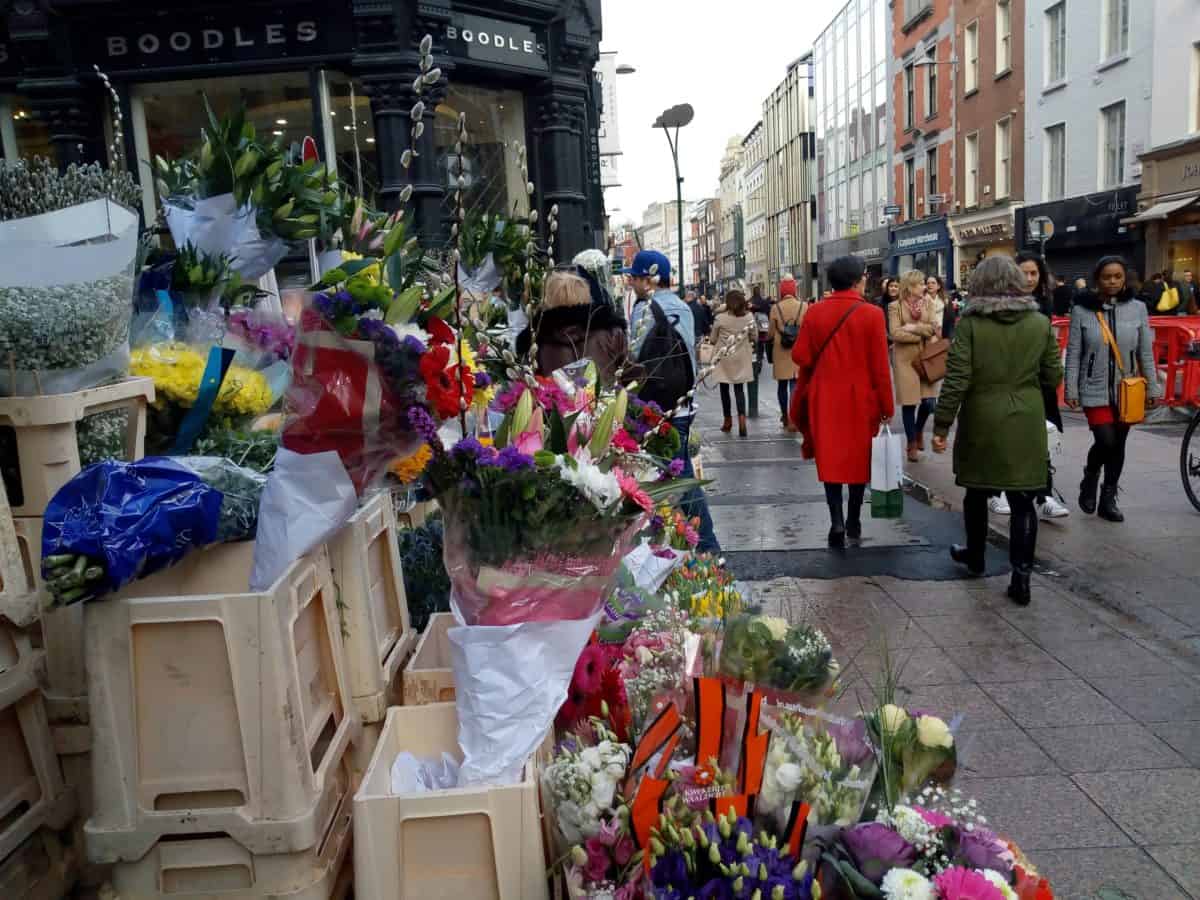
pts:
[409, 468]
[371, 274]
[482, 399]
[177, 370]
[716, 603]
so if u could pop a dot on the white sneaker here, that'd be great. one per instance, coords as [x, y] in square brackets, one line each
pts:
[1052, 509]
[999, 505]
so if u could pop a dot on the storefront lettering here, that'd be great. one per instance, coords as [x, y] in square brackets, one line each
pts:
[976, 232]
[484, 39]
[919, 240]
[149, 43]
[1190, 170]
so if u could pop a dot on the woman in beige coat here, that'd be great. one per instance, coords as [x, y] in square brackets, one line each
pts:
[733, 335]
[912, 321]
[786, 316]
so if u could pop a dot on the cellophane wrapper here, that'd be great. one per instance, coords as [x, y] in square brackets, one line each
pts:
[342, 399]
[523, 624]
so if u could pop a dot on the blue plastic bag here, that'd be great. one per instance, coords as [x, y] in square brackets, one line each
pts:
[134, 517]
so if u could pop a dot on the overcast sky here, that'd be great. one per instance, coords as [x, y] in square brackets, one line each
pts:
[723, 58]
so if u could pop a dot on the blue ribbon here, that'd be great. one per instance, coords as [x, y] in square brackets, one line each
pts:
[219, 361]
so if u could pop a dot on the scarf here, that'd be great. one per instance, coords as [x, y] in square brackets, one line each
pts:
[915, 311]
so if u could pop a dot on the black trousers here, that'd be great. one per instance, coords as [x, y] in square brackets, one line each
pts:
[739, 393]
[1022, 526]
[1108, 452]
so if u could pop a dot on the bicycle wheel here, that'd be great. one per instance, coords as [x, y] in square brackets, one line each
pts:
[1189, 461]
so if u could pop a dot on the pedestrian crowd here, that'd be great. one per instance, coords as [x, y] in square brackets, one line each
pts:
[984, 362]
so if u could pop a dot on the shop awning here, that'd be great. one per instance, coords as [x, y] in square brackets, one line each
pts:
[1160, 211]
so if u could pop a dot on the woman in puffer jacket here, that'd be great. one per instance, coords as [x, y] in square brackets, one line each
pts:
[1093, 376]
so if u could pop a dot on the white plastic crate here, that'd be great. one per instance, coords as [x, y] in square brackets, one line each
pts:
[42, 868]
[214, 709]
[428, 677]
[17, 657]
[32, 792]
[374, 609]
[484, 843]
[219, 868]
[20, 603]
[47, 443]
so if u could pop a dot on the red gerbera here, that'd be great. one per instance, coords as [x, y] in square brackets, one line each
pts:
[439, 331]
[442, 382]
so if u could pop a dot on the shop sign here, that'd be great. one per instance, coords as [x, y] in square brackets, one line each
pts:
[984, 232]
[492, 41]
[252, 36]
[606, 75]
[1179, 174]
[919, 240]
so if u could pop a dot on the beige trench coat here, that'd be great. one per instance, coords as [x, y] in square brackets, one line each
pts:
[787, 311]
[738, 367]
[908, 338]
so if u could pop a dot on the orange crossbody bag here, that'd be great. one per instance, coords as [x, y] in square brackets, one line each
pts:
[1131, 389]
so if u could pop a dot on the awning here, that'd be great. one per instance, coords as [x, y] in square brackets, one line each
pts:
[1160, 211]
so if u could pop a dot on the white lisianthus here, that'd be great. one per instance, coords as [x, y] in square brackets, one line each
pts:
[601, 488]
[603, 789]
[788, 776]
[905, 884]
[1000, 883]
[591, 758]
[933, 732]
[411, 329]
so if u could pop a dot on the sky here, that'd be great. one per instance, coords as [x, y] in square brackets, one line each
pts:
[722, 58]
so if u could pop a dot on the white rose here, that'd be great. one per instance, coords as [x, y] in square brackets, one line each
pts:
[603, 789]
[892, 719]
[615, 769]
[933, 732]
[591, 758]
[788, 776]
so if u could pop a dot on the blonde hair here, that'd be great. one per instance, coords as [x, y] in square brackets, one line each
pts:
[912, 282]
[565, 289]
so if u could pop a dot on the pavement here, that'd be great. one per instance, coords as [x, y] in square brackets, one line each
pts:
[1080, 735]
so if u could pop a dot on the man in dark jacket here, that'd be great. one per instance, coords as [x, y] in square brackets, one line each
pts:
[1062, 297]
[702, 317]
[1152, 292]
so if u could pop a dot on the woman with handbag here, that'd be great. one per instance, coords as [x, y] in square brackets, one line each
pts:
[785, 319]
[914, 326]
[735, 325]
[1004, 356]
[1112, 375]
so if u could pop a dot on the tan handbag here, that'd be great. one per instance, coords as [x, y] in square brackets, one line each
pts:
[1131, 390]
[931, 361]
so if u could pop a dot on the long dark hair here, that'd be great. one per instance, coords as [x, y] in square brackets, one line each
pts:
[1041, 292]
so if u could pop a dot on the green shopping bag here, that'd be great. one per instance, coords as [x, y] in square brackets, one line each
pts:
[887, 504]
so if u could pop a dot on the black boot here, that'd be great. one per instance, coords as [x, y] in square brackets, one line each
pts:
[1108, 504]
[1087, 491]
[837, 526]
[1022, 547]
[1019, 589]
[854, 506]
[752, 391]
[976, 567]
[975, 521]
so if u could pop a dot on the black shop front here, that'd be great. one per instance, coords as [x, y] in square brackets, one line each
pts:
[343, 72]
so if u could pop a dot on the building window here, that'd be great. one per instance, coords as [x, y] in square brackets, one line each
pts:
[912, 8]
[931, 83]
[1112, 144]
[931, 174]
[1056, 43]
[971, 72]
[909, 96]
[1003, 158]
[495, 120]
[972, 170]
[1056, 162]
[1003, 36]
[910, 188]
[22, 134]
[1116, 28]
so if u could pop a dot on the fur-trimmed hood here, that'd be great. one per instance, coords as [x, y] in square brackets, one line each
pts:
[1003, 308]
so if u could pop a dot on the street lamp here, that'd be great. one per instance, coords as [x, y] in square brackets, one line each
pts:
[625, 69]
[676, 117]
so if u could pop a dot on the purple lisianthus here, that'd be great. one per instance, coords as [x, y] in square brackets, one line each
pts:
[982, 849]
[671, 871]
[851, 741]
[877, 849]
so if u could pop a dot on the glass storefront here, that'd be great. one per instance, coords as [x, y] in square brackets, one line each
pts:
[21, 134]
[351, 132]
[496, 126]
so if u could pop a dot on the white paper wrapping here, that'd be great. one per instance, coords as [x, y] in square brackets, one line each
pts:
[216, 226]
[509, 682]
[81, 243]
[308, 497]
[650, 571]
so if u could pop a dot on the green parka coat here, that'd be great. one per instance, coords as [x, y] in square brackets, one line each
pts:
[1004, 351]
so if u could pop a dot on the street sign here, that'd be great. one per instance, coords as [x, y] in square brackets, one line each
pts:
[1041, 228]
[891, 210]
[936, 198]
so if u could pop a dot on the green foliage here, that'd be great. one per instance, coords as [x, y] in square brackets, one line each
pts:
[250, 449]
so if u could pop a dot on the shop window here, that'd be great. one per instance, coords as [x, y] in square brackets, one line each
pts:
[1112, 145]
[495, 124]
[1056, 161]
[350, 131]
[1056, 43]
[22, 135]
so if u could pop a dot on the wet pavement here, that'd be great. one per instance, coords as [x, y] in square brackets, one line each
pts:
[1081, 717]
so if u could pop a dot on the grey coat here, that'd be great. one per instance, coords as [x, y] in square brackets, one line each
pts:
[1092, 373]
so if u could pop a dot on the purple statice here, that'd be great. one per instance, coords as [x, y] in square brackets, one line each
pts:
[469, 450]
[414, 345]
[513, 460]
[422, 423]
[378, 331]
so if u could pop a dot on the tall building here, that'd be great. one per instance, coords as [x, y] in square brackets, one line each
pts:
[660, 231]
[1089, 68]
[923, 133]
[989, 159]
[788, 121]
[755, 207]
[853, 134]
[1169, 202]
[706, 248]
[732, 266]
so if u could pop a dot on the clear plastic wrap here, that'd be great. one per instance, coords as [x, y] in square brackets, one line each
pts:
[66, 295]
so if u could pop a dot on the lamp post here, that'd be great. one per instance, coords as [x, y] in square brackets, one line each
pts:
[676, 117]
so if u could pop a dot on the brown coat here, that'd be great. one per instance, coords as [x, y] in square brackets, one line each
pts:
[908, 339]
[788, 311]
[738, 366]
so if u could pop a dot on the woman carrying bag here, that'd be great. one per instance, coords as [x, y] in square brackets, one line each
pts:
[913, 325]
[1110, 374]
[786, 317]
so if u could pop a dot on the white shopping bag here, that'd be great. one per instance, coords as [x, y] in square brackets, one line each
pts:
[887, 461]
[1054, 440]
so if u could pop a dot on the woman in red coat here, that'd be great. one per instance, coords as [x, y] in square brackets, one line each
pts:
[843, 391]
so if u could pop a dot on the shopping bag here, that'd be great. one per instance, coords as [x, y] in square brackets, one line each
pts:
[887, 475]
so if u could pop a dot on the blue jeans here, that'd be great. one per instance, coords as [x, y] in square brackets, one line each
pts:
[916, 416]
[693, 502]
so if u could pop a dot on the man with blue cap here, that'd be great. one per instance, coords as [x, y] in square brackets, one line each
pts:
[667, 381]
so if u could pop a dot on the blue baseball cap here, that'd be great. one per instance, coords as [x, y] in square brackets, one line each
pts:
[650, 263]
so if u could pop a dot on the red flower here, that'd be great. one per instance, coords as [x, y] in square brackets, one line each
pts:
[442, 383]
[439, 331]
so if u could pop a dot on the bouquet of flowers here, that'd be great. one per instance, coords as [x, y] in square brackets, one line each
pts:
[795, 662]
[704, 588]
[912, 748]
[654, 669]
[670, 528]
[596, 692]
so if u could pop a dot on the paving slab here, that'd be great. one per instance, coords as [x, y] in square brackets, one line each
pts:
[1046, 704]
[1152, 807]
[1182, 862]
[1106, 748]
[1160, 698]
[1080, 874]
